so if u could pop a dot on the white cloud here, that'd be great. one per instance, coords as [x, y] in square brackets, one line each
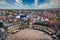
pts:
[55, 2]
[3, 2]
[50, 4]
[44, 6]
[26, 5]
[36, 3]
[19, 5]
[19, 2]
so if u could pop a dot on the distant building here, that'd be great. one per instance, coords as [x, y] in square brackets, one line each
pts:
[3, 34]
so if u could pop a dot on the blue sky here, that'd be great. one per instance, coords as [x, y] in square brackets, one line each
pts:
[10, 1]
[26, 2]
[29, 4]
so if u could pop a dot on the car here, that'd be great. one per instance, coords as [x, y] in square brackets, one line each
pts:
[47, 31]
[58, 34]
[14, 31]
[54, 36]
[43, 23]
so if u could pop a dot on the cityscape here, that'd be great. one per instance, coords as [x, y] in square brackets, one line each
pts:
[30, 24]
[29, 19]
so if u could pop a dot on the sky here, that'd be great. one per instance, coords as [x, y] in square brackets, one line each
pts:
[29, 4]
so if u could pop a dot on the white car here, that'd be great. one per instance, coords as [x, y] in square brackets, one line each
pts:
[48, 31]
[15, 31]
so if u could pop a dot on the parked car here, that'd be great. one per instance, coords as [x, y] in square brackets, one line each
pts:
[58, 35]
[47, 31]
[43, 23]
[15, 31]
